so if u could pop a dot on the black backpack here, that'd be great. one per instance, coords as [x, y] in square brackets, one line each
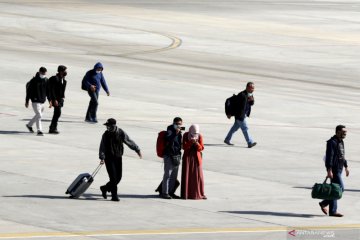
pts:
[83, 85]
[230, 105]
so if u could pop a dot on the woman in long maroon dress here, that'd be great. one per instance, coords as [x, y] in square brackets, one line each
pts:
[192, 179]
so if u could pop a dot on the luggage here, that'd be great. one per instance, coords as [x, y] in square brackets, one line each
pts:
[81, 183]
[161, 144]
[159, 189]
[230, 105]
[326, 191]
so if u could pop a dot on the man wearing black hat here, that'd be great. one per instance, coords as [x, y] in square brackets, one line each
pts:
[57, 85]
[110, 153]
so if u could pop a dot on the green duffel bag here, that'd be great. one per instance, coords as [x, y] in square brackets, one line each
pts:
[327, 191]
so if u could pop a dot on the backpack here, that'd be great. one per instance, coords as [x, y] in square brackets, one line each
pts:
[83, 85]
[230, 105]
[161, 144]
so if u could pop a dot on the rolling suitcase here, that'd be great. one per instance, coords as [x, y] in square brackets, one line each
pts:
[81, 183]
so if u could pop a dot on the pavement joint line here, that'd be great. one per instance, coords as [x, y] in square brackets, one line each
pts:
[179, 231]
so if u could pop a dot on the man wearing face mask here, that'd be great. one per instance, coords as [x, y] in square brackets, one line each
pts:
[36, 91]
[245, 100]
[56, 96]
[335, 162]
[92, 82]
[172, 158]
[110, 153]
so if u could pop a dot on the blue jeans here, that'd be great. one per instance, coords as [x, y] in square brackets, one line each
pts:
[93, 105]
[239, 124]
[333, 203]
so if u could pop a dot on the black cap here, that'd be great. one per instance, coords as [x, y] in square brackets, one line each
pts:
[61, 68]
[110, 122]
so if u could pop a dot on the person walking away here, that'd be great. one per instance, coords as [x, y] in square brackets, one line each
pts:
[245, 101]
[172, 158]
[92, 82]
[56, 96]
[192, 178]
[36, 90]
[335, 162]
[110, 153]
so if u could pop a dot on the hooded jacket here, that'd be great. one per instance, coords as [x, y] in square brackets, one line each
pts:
[36, 89]
[97, 79]
[333, 159]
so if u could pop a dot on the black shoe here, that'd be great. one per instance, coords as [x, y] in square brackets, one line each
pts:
[252, 145]
[323, 208]
[29, 128]
[165, 196]
[336, 214]
[54, 131]
[115, 199]
[174, 196]
[88, 120]
[228, 143]
[40, 133]
[103, 192]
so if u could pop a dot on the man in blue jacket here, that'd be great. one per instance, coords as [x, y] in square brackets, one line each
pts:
[335, 162]
[92, 82]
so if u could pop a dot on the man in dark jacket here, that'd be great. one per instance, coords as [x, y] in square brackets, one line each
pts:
[335, 162]
[92, 82]
[110, 153]
[56, 96]
[172, 158]
[245, 100]
[36, 90]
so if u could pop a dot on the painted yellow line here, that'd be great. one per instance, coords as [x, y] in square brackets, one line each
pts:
[171, 231]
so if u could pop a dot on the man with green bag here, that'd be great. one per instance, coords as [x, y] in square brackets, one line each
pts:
[335, 162]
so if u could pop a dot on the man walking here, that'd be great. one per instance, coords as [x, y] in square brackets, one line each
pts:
[172, 158]
[335, 162]
[56, 96]
[245, 100]
[92, 82]
[36, 90]
[110, 153]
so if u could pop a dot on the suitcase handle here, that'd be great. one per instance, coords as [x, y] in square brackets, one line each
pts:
[97, 169]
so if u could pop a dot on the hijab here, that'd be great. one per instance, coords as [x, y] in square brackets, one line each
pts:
[194, 132]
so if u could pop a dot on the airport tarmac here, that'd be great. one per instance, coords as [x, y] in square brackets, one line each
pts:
[166, 58]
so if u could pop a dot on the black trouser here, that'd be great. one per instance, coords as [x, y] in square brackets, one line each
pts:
[55, 119]
[114, 169]
[93, 105]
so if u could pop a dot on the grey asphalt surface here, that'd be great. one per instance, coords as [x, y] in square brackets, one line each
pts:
[181, 58]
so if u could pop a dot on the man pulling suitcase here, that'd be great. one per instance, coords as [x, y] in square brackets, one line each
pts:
[110, 153]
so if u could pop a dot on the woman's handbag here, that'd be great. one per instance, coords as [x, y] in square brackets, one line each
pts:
[327, 191]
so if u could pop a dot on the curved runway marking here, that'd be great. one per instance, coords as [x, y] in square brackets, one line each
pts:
[175, 41]
[180, 231]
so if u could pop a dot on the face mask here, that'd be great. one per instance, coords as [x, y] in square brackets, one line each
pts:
[250, 94]
[42, 76]
[98, 72]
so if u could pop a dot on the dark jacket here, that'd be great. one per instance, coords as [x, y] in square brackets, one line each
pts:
[112, 144]
[244, 106]
[97, 79]
[334, 159]
[56, 88]
[36, 89]
[173, 142]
